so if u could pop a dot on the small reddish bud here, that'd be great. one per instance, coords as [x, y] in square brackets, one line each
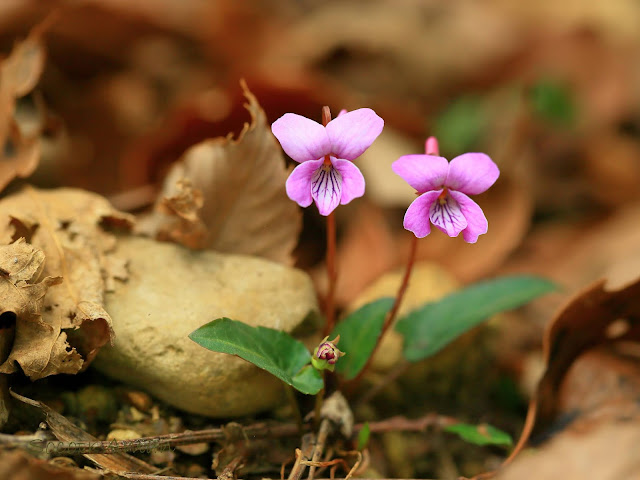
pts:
[326, 354]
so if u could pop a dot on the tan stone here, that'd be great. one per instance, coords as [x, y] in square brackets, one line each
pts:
[171, 292]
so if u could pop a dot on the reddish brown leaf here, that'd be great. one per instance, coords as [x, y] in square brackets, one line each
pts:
[19, 74]
[18, 465]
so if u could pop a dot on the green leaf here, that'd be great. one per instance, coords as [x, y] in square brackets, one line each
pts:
[433, 326]
[552, 101]
[480, 434]
[275, 351]
[359, 334]
[308, 380]
[363, 436]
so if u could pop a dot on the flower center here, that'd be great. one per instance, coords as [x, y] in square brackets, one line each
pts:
[442, 198]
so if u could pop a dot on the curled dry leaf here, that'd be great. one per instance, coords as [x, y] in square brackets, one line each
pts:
[240, 186]
[60, 329]
[176, 217]
[594, 318]
[19, 73]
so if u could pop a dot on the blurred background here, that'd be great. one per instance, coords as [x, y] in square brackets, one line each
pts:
[549, 89]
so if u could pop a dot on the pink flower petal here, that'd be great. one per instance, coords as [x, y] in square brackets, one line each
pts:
[422, 172]
[416, 219]
[302, 139]
[472, 173]
[352, 180]
[476, 221]
[352, 133]
[326, 188]
[299, 182]
[445, 213]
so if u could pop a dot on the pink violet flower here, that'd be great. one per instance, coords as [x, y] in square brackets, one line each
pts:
[326, 174]
[443, 188]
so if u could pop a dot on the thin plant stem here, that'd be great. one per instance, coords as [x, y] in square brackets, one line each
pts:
[317, 408]
[431, 148]
[391, 316]
[332, 271]
[293, 401]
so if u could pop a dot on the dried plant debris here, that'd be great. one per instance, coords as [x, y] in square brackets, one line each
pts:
[58, 303]
[595, 318]
[65, 431]
[228, 195]
[19, 74]
[18, 465]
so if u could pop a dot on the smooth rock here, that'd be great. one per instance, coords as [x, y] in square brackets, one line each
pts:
[171, 291]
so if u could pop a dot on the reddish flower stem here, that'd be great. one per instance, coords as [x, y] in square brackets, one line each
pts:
[431, 148]
[391, 316]
[332, 271]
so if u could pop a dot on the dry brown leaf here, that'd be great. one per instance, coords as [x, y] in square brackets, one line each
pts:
[18, 465]
[245, 208]
[176, 217]
[58, 330]
[594, 318]
[19, 74]
[393, 48]
[607, 451]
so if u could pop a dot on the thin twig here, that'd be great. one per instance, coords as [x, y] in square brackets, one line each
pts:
[229, 472]
[325, 429]
[55, 448]
[259, 430]
[150, 476]
[302, 453]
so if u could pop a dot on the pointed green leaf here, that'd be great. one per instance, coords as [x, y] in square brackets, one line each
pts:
[433, 326]
[480, 434]
[359, 334]
[275, 351]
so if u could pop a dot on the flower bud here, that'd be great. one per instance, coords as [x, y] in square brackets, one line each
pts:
[326, 354]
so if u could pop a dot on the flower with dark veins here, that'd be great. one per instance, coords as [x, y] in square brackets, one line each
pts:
[443, 190]
[326, 174]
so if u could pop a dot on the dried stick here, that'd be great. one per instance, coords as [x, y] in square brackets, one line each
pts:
[325, 429]
[149, 476]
